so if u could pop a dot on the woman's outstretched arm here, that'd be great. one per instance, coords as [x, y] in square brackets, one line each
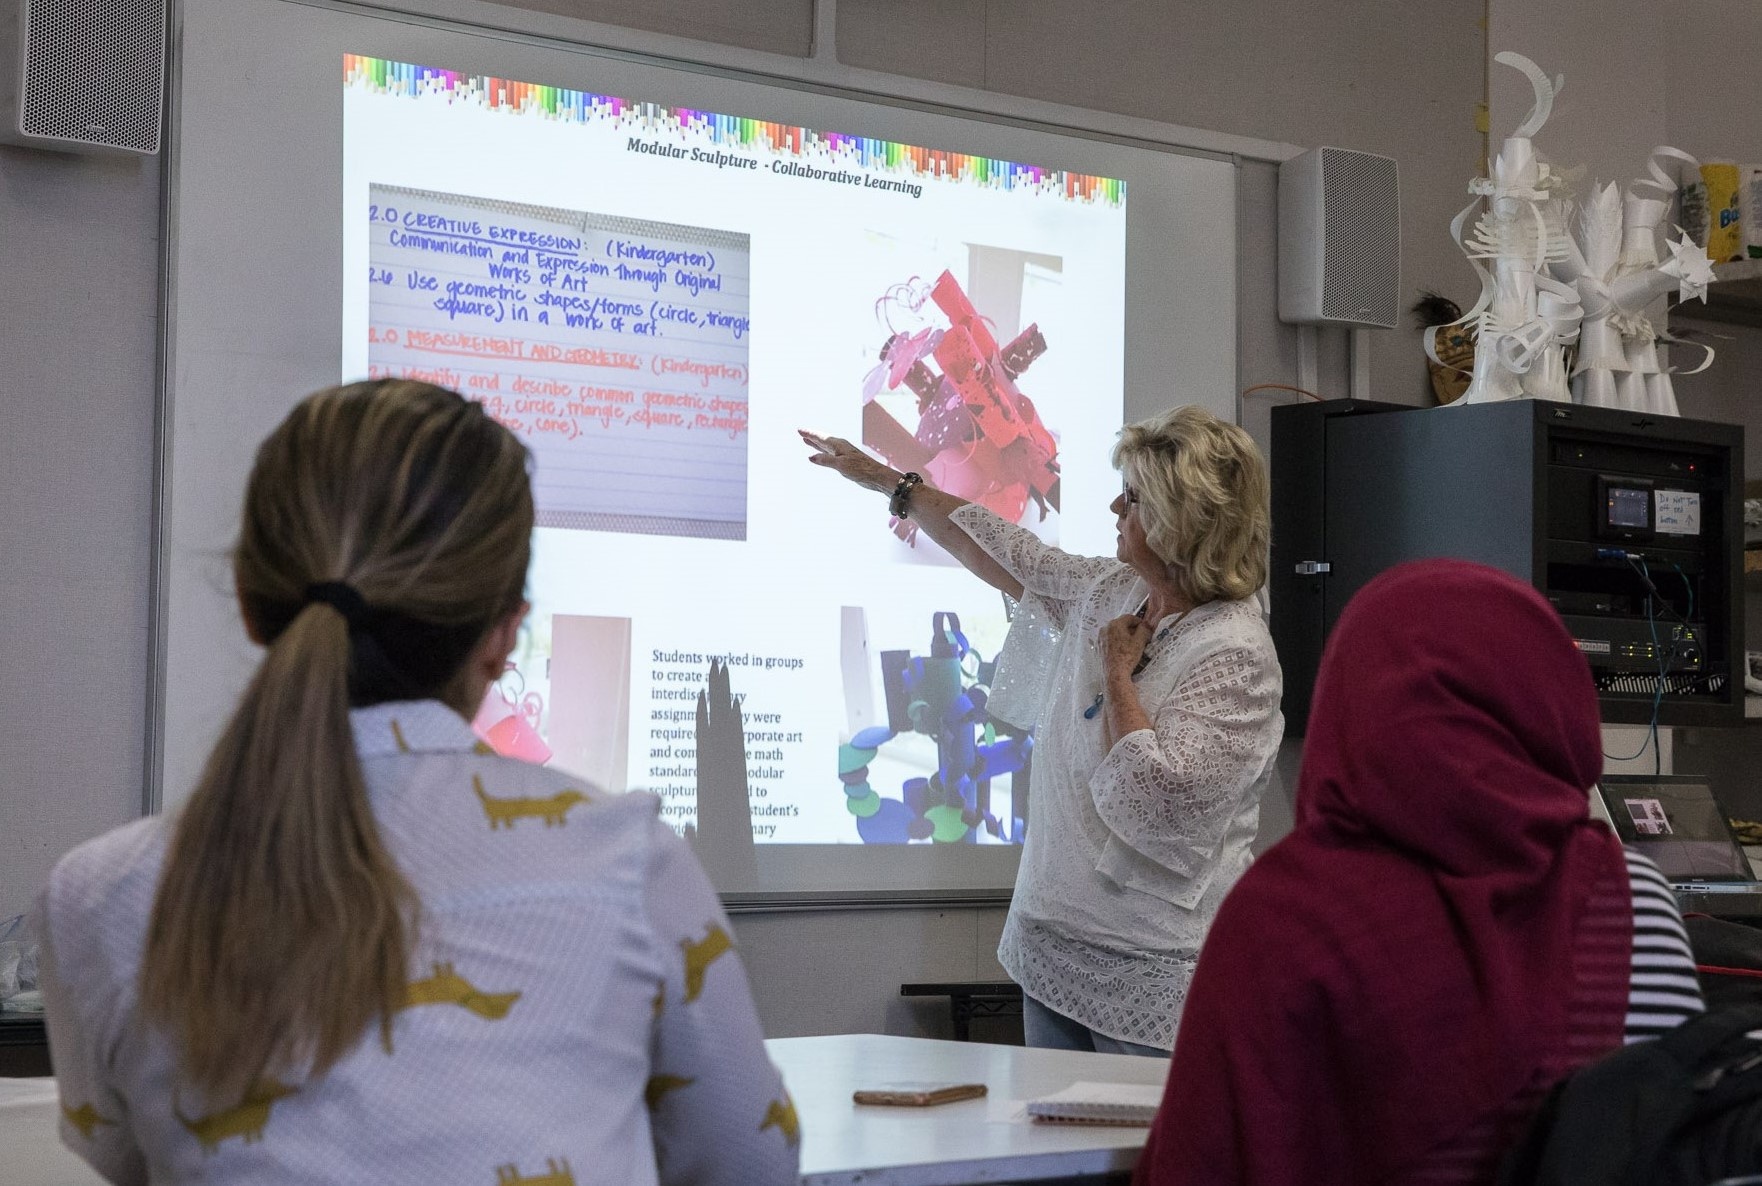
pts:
[926, 506]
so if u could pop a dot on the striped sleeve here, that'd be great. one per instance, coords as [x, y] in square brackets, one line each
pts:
[1663, 991]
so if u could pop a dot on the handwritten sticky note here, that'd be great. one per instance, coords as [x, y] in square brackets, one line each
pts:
[615, 347]
[1677, 512]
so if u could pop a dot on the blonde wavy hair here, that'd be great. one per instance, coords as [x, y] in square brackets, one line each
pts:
[282, 927]
[1203, 500]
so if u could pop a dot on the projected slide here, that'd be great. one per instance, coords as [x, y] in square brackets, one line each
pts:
[654, 298]
[577, 302]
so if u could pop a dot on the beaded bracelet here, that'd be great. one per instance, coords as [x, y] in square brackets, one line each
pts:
[902, 493]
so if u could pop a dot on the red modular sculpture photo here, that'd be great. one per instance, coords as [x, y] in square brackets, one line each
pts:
[977, 435]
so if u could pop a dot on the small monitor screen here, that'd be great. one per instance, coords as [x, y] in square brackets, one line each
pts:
[1630, 507]
[1678, 825]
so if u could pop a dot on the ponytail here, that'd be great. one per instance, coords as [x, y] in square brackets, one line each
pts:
[282, 930]
[280, 904]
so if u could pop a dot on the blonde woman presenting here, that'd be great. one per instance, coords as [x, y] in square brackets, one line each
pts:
[368, 949]
[1155, 701]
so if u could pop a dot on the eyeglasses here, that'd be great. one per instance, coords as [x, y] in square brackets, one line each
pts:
[1129, 496]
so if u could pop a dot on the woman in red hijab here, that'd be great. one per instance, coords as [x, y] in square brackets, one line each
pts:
[1386, 995]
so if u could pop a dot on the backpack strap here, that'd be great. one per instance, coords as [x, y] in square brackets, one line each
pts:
[1613, 1122]
[1692, 1042]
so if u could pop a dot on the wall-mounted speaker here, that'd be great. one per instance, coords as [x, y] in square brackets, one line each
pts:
[1339, 239]
[82, 75]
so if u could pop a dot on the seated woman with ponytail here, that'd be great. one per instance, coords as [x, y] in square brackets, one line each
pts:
[368, 949]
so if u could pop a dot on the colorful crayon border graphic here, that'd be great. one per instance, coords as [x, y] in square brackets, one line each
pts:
[553, 102]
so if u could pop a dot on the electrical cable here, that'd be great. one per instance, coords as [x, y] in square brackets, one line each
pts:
[1663, 673]
[1651, 736]
[1644, 572]
[1652, 596]
[1686, 584]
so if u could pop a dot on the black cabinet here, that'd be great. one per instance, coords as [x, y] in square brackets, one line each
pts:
[1630, 524]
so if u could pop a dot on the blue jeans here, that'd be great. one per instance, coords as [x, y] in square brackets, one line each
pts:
[1050, 1030]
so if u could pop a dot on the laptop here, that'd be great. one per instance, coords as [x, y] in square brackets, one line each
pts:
[1675, 821]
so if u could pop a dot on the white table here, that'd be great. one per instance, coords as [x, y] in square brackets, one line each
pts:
[979, 1140]
[31, 1153]
[843, 1144]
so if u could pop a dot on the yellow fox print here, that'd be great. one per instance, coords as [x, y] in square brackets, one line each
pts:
[503, 812]
[447, 987]
[556, 1174]
[660, 1085]
[85, 1118]
[781, 1115]
[246, 1120]
[700, 955]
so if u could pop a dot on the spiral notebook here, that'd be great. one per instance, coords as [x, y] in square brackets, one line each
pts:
[1098, 1103]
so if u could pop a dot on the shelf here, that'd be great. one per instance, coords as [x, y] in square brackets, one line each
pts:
[1735, 297]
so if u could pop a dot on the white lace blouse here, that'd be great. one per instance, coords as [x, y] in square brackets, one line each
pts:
[1130, 849]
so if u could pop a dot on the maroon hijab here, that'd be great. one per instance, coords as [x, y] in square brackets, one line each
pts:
[1397, 970]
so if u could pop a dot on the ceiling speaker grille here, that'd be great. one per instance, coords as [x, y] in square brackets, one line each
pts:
[94, 72]
[1362, 222]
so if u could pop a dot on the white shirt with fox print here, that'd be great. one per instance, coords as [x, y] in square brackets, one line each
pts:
[576, 1014]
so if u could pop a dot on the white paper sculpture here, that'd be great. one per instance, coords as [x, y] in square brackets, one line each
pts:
[1559, 274]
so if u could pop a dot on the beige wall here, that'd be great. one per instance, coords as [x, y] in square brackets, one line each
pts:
[777, 26]
[1383, 76]
[79, 240]
[1612, 110]
[1715, 110]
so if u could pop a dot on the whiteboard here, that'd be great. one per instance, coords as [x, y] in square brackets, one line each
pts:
[676, 505]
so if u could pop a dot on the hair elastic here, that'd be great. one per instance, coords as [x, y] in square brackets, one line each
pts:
[343, 598]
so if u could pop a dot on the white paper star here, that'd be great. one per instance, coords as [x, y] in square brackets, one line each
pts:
[1690, 265]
